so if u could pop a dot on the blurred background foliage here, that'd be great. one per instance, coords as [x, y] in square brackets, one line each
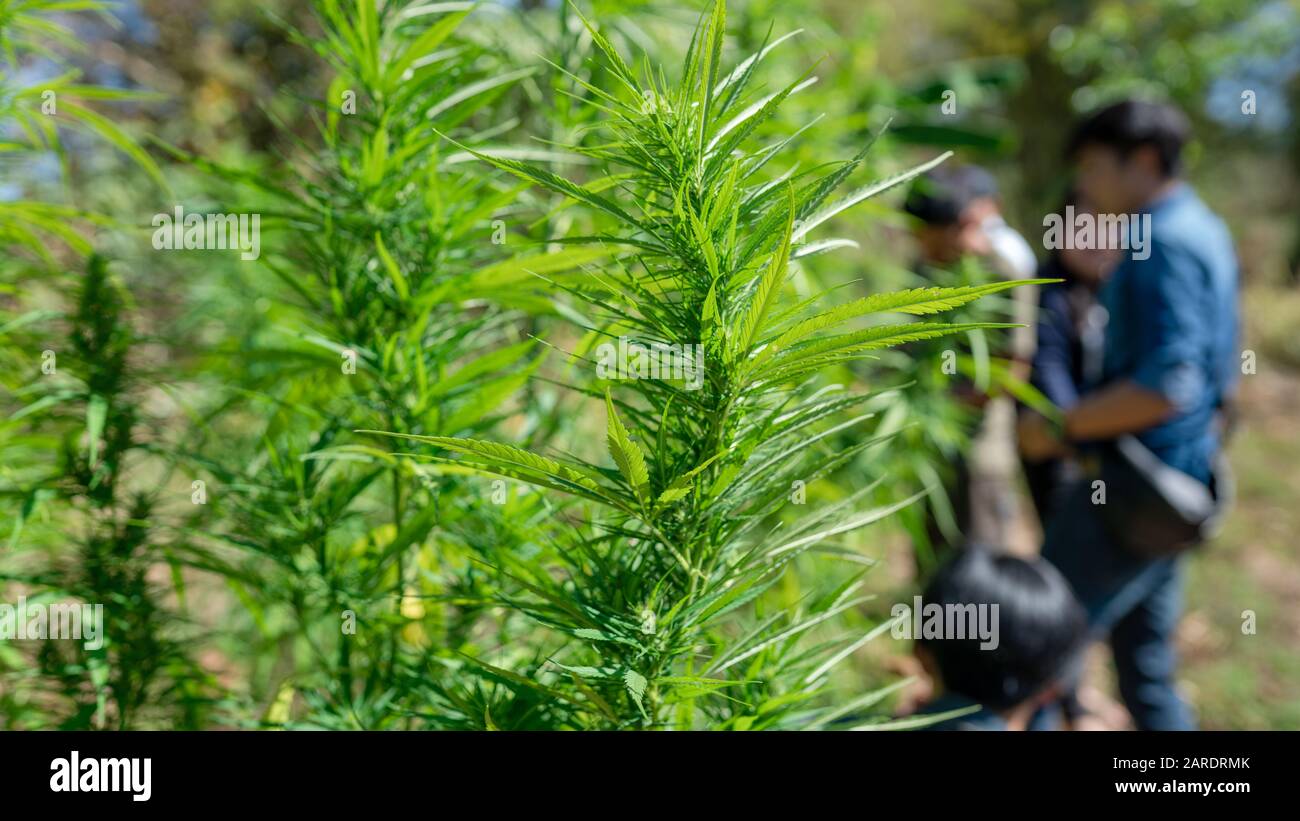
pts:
[183, 367]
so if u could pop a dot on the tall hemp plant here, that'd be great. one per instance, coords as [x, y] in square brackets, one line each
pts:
[82, 450]
[386, 311]
[655, 595]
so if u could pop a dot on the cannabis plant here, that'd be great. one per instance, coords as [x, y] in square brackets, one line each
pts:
[85, 453]
[389, 306]
[81, 462]
[654, 598]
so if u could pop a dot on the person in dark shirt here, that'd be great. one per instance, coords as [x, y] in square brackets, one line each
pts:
[1068, 357]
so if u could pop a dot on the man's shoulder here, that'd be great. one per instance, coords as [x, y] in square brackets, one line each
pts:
[1185, 239]
[1188, 225]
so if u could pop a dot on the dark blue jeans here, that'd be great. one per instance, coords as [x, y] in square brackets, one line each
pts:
[1136, 601]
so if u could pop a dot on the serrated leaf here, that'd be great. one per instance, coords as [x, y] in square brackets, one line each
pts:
[636, 684]
[627, 454]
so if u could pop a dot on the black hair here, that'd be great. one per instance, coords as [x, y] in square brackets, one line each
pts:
[939, 196]
[1129, 125]
[1041, 627]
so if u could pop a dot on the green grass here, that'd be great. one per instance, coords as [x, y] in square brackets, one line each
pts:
[1249, 681]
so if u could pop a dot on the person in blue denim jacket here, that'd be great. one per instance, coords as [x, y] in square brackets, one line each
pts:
[1170, 366]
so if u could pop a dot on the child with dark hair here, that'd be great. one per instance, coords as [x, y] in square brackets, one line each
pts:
[1039, 631]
